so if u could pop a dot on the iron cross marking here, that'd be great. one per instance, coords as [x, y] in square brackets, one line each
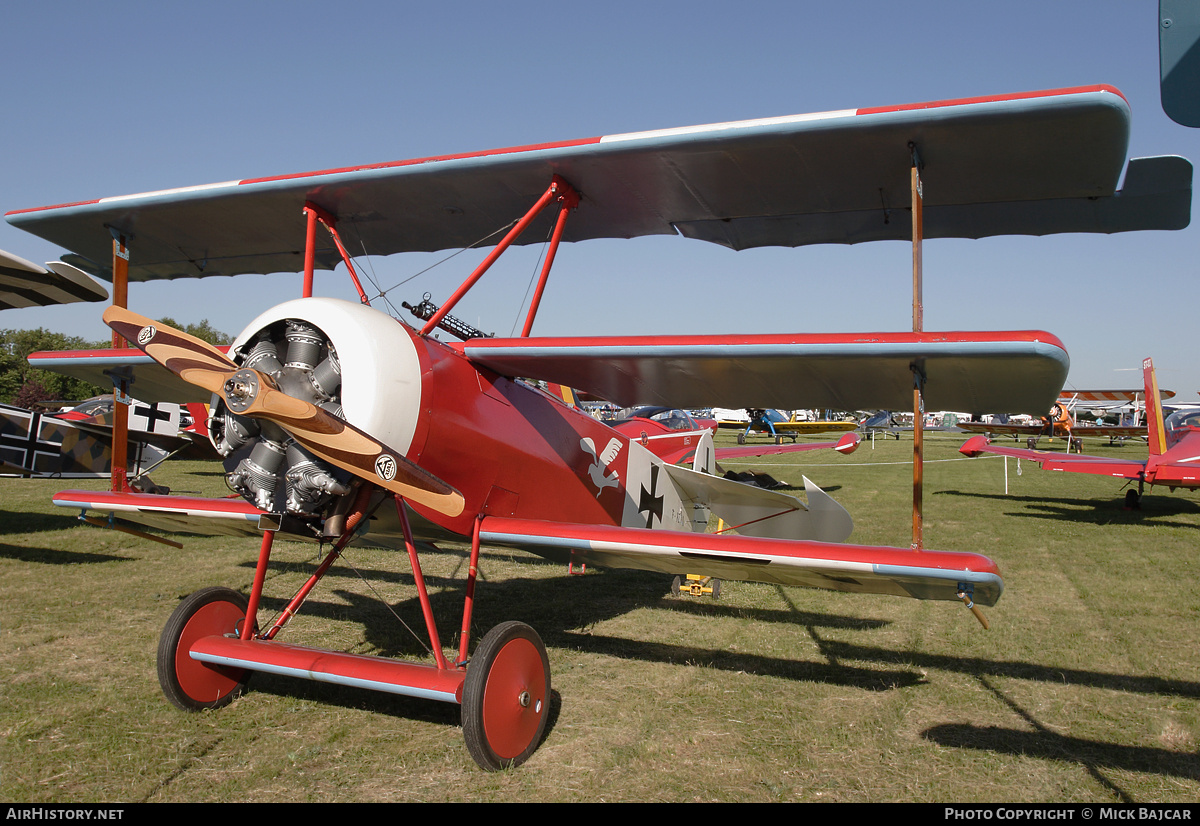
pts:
[651, 501]
[28, 446]
[153, 414]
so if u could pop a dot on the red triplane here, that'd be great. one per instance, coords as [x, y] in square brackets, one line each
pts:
[330, 412]
[1174, 449]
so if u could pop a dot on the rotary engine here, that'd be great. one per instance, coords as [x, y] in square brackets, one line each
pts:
[369, 377]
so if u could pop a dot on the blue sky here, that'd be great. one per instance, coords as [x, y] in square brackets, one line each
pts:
[124, 97]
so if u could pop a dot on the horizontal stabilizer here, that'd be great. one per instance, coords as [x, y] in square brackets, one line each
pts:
[754, 511]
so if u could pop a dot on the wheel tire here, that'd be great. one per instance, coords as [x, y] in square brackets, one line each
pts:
[716, 588]
[675, 584]
[1133, 501]
[506, 697]
[189, 684]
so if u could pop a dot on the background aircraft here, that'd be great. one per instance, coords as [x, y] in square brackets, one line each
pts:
[77, 443]
[778, 425]
[674, 436]
[1174, 448]
[25, 284]
[1061, 421]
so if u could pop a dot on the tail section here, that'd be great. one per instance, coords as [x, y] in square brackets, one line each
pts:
[1154, 418]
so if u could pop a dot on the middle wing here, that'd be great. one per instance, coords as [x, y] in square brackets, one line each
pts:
[1014, 372]
[151, 382]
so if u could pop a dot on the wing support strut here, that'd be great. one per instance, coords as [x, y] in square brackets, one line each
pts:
[918, 232]
[313, 214]
[118, 477]
[559, 190]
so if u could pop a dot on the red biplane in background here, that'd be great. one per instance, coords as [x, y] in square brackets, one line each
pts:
[1174, 459]
[674, 436]
[336, 417]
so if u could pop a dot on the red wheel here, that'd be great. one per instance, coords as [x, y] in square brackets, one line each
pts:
[189, 684]
[506, 696]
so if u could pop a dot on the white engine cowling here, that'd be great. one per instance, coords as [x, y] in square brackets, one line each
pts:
[353, 361]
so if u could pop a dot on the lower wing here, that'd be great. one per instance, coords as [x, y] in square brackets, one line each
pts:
[838, 567]
[187, 514]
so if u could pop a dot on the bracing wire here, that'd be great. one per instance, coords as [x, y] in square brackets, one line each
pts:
[536, 268]
[383, 293]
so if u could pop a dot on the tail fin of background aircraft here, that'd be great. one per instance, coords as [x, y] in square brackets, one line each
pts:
[567, 394]
[705, 460]
[1154, 418]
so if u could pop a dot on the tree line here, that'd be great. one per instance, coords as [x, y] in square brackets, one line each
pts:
[24, 386]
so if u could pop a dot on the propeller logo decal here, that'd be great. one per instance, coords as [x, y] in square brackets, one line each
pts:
[385, 467]
[146, 333]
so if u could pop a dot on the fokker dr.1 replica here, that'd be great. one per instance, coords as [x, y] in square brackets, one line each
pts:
[341, 422]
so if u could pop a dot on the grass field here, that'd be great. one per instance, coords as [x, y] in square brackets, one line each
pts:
[1086, 688]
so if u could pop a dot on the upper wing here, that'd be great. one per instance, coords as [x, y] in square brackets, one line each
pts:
[1005, 429]
[1108, 431]
[25, 284]
[1015, 372]
[839, 567]
[814, 427]
[1031, 163]
[1109, 395]
[1051, 460]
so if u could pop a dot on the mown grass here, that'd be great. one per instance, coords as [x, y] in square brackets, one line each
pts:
[1084, 689]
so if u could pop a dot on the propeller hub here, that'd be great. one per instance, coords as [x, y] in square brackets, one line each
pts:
[241, 389]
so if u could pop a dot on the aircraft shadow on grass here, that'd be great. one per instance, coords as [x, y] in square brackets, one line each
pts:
[565, 608]
[1104, 512]
[16, 522]
[1043, 743]
[1048, 745]
[33, 522]
[563, 614]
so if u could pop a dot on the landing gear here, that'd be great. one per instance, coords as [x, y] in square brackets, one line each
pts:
[506, 696]
[193, 685]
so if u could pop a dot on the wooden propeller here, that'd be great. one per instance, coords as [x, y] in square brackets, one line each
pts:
[251, 393]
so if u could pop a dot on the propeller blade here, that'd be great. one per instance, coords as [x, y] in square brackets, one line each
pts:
[251, 393]
[193, 360]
